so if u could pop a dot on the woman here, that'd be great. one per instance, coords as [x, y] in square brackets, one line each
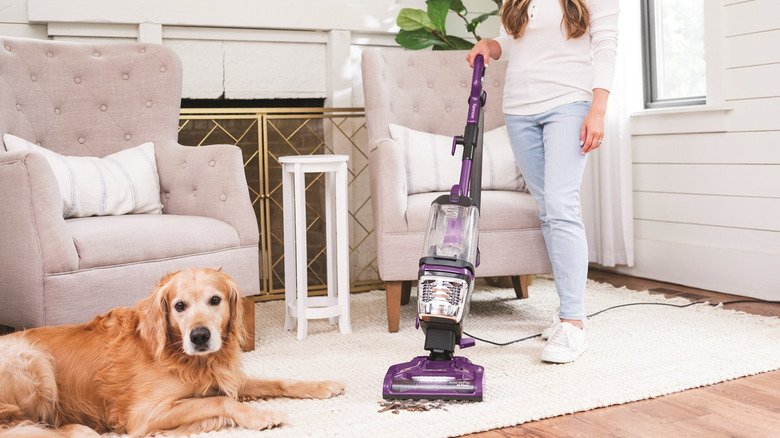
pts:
[561, 57]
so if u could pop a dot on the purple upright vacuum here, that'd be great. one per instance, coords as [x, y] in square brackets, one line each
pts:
[446, 277]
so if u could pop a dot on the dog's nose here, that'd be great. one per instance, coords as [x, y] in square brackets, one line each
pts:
[200, 336]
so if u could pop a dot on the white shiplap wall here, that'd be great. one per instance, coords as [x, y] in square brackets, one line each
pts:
[707, 183]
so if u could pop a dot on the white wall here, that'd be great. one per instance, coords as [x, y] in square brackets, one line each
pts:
[239, 49]
[14, 22]
[707, 179]
[243, 49]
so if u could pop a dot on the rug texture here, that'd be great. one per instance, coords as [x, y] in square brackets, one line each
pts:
[635, 353]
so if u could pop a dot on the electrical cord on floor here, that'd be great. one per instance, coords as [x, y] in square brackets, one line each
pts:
[679, 306]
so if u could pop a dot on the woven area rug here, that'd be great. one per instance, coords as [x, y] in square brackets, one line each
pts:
[635, 353]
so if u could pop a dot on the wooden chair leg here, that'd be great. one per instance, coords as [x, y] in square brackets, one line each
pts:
[248, 313]
[520, 283]
[406, 292]
[394, 291]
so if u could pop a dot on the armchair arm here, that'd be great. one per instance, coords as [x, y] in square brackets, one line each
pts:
[34, 236]
[207, 181]
[388, 187]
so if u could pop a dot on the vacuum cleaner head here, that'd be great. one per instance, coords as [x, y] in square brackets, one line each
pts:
[422, 378]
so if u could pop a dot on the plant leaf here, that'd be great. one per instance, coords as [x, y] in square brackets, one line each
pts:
[472, 26]
[483, 17]
[459, 43]
[418, 39]
[437, 12]
[413, 19]
[458, 8]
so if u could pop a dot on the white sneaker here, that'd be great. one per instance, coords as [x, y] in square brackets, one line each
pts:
[565, 344]
[546, 333]
[556, 320]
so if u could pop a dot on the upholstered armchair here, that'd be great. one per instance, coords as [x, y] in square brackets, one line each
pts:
[75, 241]
[415, 102]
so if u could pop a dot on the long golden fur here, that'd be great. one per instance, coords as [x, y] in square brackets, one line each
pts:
[168, 365]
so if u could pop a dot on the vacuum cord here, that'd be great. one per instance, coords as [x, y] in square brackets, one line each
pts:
[679, 306]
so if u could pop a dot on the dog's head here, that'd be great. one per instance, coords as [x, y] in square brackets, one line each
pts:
[196, 310]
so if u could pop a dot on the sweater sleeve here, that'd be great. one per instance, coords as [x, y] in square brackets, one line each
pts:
[603, 41]
[503, 39]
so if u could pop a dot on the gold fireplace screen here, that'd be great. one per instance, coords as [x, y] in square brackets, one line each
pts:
[264, 135]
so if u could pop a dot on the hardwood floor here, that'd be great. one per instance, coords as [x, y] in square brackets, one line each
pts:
[746, 407]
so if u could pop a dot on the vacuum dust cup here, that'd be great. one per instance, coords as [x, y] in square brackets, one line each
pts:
[453, 231]
[447, 264]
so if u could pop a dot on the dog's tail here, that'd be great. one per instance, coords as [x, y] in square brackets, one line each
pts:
[9, 413]
[28, 393]
[29, 429]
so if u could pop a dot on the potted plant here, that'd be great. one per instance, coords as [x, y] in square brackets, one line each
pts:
[422, 29]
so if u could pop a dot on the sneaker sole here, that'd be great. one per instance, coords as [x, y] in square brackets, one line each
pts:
[561, 357]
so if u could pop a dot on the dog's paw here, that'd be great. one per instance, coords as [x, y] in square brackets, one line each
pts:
[261, 420]
[325, 389]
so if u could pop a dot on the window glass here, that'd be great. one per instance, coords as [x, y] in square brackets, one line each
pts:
[674, 52]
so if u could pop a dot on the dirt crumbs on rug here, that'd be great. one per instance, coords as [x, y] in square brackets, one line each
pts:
[396, 406]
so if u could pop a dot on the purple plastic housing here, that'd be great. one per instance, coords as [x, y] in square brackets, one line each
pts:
[465, 272]
[475, 99]
[421, 378]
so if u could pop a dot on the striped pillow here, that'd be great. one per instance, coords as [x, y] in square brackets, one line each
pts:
[120, 183]
[431, 167]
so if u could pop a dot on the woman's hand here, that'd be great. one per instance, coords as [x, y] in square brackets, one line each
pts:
[485, 47]
[592, 132]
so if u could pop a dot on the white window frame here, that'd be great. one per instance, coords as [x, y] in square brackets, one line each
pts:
[711, 116]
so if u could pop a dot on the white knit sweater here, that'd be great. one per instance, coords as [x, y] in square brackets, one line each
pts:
[547, 70]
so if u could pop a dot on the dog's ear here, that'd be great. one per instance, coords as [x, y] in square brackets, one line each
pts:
[153, 316]
[235, 329]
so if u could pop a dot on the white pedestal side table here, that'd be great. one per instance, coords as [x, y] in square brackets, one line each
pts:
[299, 306]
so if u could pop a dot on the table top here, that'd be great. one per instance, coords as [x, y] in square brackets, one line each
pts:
[318, 159]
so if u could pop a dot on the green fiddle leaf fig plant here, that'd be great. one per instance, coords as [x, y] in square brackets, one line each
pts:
[422, 29]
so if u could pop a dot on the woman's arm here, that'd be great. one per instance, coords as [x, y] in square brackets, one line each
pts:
[603, 32]
[485, 47]
[592, 131]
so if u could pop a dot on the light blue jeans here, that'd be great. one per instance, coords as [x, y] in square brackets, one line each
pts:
[547, 149]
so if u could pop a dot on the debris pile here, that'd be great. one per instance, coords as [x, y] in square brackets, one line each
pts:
[396, 406]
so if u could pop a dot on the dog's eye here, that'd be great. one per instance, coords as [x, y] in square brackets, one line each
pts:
[180, 306]
[215, 300]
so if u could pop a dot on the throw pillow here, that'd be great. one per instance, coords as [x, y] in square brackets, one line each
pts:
[499, 168]
[431, 167]
[120, 183]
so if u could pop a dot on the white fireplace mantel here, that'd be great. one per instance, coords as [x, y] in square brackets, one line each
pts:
[371, 16]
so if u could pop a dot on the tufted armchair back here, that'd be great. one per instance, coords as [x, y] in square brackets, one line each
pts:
[415, 89]
[96, 99]
[89, 99]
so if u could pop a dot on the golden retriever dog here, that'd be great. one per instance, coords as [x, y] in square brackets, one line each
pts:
[170, 365]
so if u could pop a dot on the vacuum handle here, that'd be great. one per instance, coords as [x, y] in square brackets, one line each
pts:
[471, 167]
[475, 99]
